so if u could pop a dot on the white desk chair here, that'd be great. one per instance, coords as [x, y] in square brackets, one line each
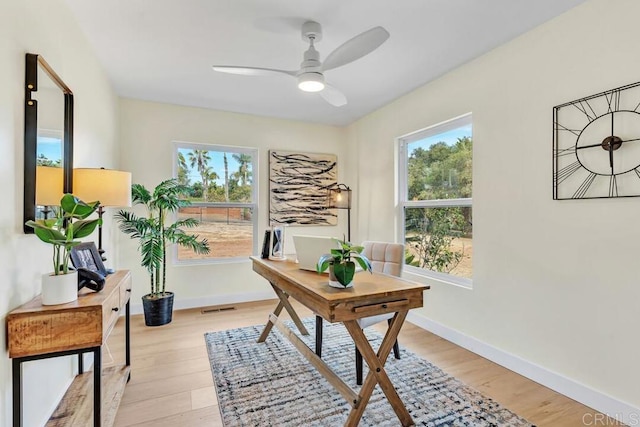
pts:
[386, 258]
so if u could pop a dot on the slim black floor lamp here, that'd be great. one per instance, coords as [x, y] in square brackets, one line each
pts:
[339, 197]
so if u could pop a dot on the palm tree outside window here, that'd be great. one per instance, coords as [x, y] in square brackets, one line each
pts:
[223, 196]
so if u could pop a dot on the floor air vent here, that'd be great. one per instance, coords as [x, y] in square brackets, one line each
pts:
[217, 309]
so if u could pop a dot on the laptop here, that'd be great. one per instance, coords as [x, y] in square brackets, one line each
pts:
[310, 248]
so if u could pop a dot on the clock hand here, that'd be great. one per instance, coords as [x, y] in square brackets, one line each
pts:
[590, 146]
[600, 143]
[611, 145]
[630, 140]
[612, 125]
[611, 156]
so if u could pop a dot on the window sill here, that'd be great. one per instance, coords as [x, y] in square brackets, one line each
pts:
[212, 261]
[431, 277]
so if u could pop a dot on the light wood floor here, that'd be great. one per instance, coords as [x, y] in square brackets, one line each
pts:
[171, 383]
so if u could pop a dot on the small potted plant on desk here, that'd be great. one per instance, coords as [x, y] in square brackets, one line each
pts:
[155, 235]
[61, 286]
[341, 267]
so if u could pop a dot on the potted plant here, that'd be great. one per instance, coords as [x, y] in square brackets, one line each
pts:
[61, 286]
[155, 235]
[341, 267]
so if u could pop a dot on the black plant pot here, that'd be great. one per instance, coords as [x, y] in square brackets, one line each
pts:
[157, 310]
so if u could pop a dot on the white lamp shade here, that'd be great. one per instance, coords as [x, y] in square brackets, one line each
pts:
[48, 185]
[110, 187]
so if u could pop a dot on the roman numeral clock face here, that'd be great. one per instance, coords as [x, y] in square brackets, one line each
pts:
[596, 146]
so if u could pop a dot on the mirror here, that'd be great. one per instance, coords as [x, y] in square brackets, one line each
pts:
[48, 139]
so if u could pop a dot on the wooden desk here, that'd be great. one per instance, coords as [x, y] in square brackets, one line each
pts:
[371, 294]
[36, 331]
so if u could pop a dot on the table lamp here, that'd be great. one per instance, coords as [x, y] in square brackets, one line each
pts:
[48, 187]
[111, 187]
[339, 197]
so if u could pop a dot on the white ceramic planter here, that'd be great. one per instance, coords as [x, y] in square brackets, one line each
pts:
[336, 284]
[59, 289]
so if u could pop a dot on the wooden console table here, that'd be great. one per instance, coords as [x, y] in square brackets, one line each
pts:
[36, 331]
[372, 294]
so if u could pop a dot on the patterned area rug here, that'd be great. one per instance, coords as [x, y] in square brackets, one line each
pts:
[271, 384]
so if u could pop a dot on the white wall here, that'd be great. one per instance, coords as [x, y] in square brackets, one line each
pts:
[47, 28]
[555, 282]
[147, 134]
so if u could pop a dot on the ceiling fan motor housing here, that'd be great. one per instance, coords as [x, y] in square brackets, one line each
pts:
[311, 30]
[311, 62]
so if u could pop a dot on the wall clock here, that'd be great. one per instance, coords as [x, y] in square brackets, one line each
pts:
[596, 145]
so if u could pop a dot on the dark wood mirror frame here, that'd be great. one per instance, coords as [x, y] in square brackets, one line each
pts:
[33, 62]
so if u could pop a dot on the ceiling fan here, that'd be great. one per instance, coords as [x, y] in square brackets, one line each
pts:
[310, 76]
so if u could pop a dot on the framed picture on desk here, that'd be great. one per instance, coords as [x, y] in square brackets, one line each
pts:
[86, 255]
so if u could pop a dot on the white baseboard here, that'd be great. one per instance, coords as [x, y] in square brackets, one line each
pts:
[183, 303]
[599, 401]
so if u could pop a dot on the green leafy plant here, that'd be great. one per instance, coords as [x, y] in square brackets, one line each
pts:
[154, 232]
[62, 231]
[340, 261]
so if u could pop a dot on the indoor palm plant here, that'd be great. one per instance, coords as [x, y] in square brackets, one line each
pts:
[341, 267]
[155, 235]
[62, 233]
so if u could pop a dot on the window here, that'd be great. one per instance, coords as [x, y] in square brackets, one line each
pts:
[435, 222]
[223, 196]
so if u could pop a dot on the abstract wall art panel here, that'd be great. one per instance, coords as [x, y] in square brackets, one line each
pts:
[298, 184]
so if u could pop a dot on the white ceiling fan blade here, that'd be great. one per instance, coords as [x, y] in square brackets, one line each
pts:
[252, 71]
[333, 96]
[356, 48]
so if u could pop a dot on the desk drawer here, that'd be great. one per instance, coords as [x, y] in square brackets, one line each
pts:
[375, 305]
[381, 307]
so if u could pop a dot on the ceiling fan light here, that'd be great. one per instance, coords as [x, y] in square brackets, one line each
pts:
[311, 82]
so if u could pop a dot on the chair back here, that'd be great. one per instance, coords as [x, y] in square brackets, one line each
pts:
[387, 258]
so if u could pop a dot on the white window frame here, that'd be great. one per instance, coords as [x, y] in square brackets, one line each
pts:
[403, 157]
[253, 205]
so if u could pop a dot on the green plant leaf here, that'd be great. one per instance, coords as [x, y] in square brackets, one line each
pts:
[175, 235]
[76, 208]
[48, 235]
[151, 251]
[324, 262]
[338, 254]
[364, 262]
[139, 194]
[84, 228]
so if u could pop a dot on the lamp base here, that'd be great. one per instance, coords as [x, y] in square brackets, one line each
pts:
[100, 250]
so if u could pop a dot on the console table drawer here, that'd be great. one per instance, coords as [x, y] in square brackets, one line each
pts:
[35, 329]
[125, 290]
[110, 311]
[40, 333]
